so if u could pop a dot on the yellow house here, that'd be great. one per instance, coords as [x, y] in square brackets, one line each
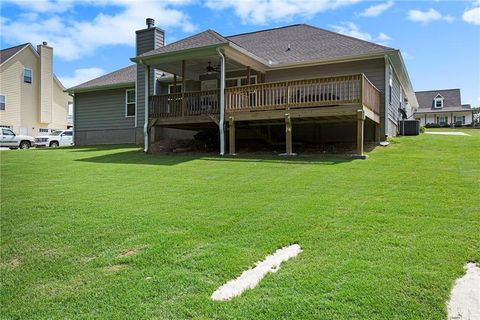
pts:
[32, 99]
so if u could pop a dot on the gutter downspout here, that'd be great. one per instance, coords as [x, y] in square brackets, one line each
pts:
[145, 124]
[387, 93]
[222, 103]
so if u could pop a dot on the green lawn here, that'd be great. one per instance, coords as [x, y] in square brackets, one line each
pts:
[112, 233]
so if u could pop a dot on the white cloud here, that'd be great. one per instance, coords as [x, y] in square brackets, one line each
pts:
[73, 39]
[264, 11]
[472, 15]
[81, 76]
[376, 10]
[42, 6]
[428, 16]
[352, 30]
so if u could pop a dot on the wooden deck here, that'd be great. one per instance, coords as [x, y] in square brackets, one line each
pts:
[309, 98]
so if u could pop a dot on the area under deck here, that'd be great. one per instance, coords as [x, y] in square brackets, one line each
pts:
[332, 99]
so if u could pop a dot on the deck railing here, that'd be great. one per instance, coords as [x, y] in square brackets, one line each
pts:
[190, 103]
[354, 89]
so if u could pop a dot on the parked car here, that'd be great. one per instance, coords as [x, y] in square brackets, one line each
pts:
[57, 138]
[11, 140]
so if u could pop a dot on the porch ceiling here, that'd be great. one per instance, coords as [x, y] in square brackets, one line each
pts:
[195, 67]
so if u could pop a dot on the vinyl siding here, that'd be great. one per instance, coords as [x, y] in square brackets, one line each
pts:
[23, 99]
[394, 105]
[101, 110]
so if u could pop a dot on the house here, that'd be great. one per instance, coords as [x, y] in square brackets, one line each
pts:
[297, 83]
[442, 108]
[32, 100]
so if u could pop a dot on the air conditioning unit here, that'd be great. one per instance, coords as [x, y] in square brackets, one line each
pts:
[409, 127]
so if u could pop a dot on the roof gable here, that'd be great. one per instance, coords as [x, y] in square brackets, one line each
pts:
[451, 98]
[286, 45]
[202, 39]
[8, 53]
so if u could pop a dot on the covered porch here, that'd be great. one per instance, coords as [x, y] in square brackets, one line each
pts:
[221, 87]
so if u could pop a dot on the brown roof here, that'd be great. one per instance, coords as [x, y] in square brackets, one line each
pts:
[202, 39]
[306, 43]
[125, 76]
[7, 53]
[451, 101]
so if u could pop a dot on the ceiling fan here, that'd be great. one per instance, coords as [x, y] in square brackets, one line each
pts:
[211, 69]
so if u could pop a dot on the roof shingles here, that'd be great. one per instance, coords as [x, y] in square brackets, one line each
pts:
[7, 53]
[123, 76]
[451, 101]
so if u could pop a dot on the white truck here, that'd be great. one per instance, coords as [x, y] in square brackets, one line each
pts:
[57, 138]
[9, 139]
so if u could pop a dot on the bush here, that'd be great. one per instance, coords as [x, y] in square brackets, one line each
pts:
[422, 129]
[432, 125]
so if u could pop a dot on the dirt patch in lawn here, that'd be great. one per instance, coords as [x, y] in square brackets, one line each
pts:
[12, 263]
[131, 251]
[115, 268]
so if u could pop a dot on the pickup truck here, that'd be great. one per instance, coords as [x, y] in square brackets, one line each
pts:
[9, 139]
[58, 138]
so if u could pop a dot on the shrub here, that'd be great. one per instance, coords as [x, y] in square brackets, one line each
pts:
[422, 129]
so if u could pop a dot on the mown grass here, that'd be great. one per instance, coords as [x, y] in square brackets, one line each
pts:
[382, 239]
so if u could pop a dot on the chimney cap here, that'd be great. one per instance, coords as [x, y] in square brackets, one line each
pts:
[44, 43]
[150, 22]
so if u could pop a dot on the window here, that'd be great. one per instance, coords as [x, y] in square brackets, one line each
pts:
[442, 120]
[174, 89]
[438, 102]
[67, 133]
[2, 102]
[390, 83]
[239, 81]
[5, 126]
[42, 130]
[460, 119]
[7, 132]
[27, 75]
[130, 103]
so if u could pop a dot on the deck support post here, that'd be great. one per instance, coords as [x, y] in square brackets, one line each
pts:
[221, 122]
[288, 136]
[231, 133]
[146, 138]
[360, 135]
[183, 87]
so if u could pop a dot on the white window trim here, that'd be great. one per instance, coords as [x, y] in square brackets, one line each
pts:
[31, 77]
[4, 102]
[126, 103]
[440, 98]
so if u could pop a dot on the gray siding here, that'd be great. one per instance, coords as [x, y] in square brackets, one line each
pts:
[104, 109]
[100, 118]
[394, 105]
[146, 40]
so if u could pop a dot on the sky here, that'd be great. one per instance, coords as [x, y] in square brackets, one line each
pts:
[439, 40]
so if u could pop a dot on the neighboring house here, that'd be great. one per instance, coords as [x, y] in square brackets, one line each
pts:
[32, 100]
[442, 108]
[296, 83]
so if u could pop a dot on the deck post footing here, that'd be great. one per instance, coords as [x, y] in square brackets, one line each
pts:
[359, 156]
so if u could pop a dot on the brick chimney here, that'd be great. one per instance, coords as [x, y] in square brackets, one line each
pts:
[147, 39]
[46, 82]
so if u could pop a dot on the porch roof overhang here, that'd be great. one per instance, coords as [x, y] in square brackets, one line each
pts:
[172, 61]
